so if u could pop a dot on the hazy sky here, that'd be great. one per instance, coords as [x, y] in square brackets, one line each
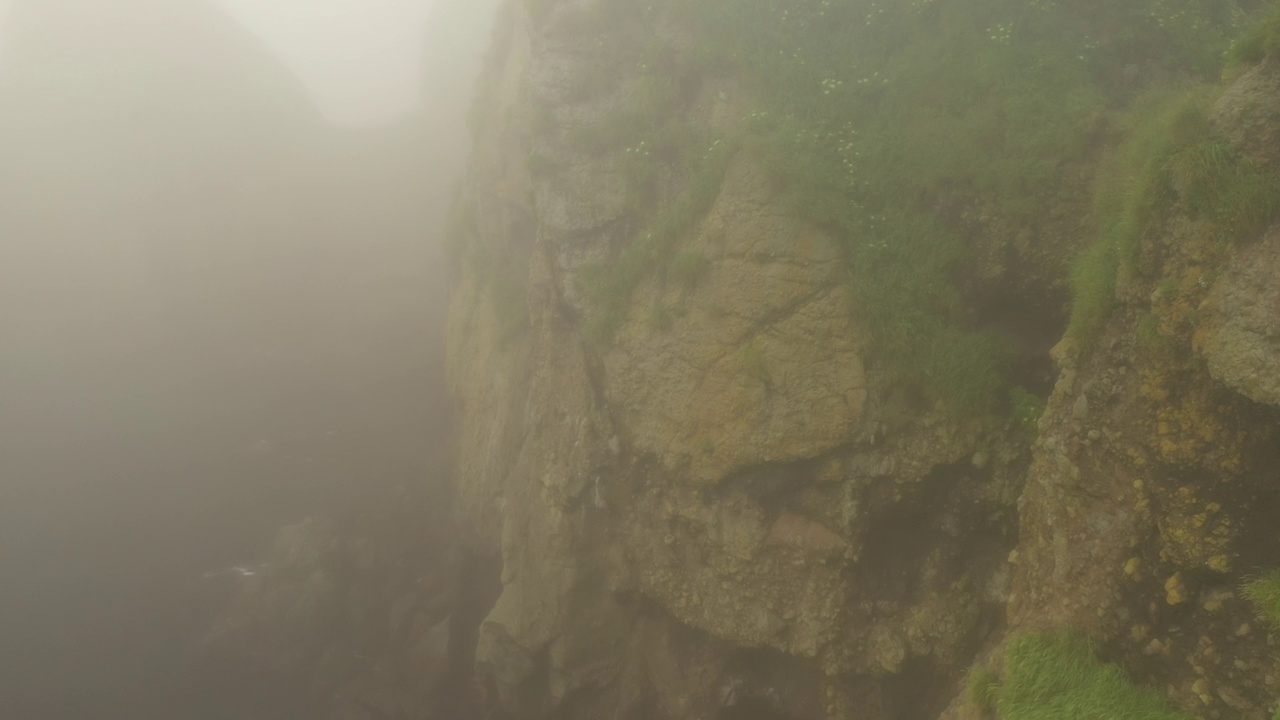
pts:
[361, 58]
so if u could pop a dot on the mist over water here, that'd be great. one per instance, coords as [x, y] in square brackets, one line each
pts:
[221, 302]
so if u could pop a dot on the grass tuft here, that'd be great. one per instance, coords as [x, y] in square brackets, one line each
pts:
[1059, 677]
[983, 690]
[1170, 157]
[1093, 289]
[1264, 592]
[1259, 42]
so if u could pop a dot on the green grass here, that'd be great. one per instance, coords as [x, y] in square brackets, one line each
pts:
[1093, 289]
[1264, 592]
[1216, 182]
[1132, 193]
[982, 690]
[1169, 157]
[1259, 42]
[1059, 677]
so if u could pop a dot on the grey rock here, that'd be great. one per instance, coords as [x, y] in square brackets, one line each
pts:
[1242, 323]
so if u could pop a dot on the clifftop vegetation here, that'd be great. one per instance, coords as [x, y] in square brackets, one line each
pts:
[894, 125]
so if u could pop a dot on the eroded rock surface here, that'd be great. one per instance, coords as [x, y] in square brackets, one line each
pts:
[1242, 336]
[762, 365]
[724, 503]
[719, 507]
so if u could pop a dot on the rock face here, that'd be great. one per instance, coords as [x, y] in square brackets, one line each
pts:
[718, 508]
[1242, 336]
[725, 509]
[1248, 113]
[763, 368]
[1145, 503]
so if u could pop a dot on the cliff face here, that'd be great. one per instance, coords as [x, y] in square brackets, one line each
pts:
[711, 494]
[1153, 490]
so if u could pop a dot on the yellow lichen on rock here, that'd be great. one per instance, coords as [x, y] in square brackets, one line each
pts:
[1175, 589]
[1196, 534]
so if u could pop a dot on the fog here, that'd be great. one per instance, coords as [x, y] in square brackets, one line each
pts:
[361, 61]
[221, 305]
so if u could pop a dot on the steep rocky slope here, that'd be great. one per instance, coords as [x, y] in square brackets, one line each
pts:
[720, 483]
[1154, 485]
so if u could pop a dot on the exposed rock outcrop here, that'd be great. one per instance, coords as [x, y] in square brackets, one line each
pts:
[1152, 492]
[731, 479]
[1242, 325]
[722, 506]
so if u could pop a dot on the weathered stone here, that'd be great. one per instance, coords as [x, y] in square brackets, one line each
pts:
[1242, 325]
[1248, 113]
[763, 365]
